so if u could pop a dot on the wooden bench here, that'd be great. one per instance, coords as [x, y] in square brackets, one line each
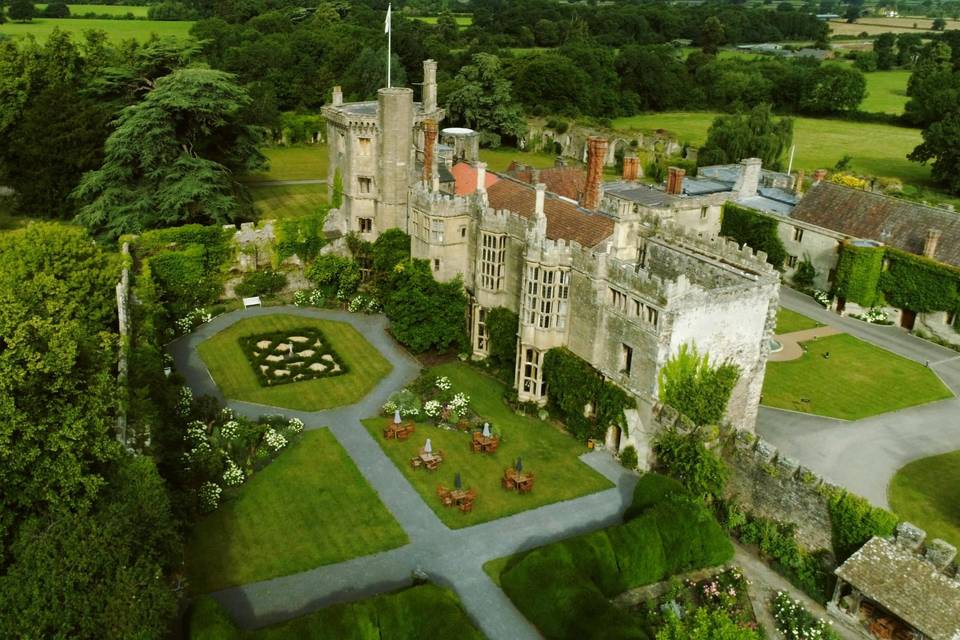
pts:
[251, 302]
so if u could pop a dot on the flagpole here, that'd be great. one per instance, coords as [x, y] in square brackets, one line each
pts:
[389, 44]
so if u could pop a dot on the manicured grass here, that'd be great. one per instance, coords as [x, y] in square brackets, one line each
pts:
[500, 159]
[858, 380]
[790, 321]
[550, 454]
[424, 611]
[462, 21]
[877, 149]
[234, 374]
[309, 507]
[298, 162]
[886, 92]
[116, 30]
[926, 492]
[288, 201]
[103, 9]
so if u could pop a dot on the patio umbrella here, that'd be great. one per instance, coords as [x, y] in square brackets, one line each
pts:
[519, 465]
[396, 417]
[428, 448]
[457, 482]
[486, 429]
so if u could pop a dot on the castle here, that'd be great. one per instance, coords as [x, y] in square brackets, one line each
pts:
[623, 285]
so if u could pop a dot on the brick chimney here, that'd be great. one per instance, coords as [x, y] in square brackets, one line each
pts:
[429, 153]
[798, 183]
[596, 156]
[337, 96]
[930, 245]
[675, 180]
[631, 167]
[819, 175]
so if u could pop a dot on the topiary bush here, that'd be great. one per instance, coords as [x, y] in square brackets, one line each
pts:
[260, 283]
[628, 457]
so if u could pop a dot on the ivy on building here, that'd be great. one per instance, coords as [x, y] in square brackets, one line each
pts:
[751, 228]
[858, 274]
[502, 325]
[573, 385]
[698, 390]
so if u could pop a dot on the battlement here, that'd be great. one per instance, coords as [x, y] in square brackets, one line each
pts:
[440, 204]
[717, 247]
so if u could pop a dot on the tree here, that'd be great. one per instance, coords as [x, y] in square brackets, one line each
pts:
[755, 134]
[711, 35]
[853, 13]
[425, 314]
[3, 12]
[685, 457]
[56, 10]
[368, 74]
[833, 89]
[941, 144]
[481, 98]
[57, 387]
[551, 83]
[939, 24]
[883, 47]
[695, 388]
[21, 10]
[174, 158]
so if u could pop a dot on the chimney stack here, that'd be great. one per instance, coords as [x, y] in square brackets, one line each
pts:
[429, 95]
[337, 96]
[941, 553]
[482, 177]
[675, 180]
[429, 150]
[909, 536]
[819, 175]
[596, 156]
[930, 246]
[798, 183]
[541, 195]
[631, 167]
[748, 179]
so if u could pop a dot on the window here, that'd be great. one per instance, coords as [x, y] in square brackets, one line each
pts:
[365, 224]
[481, 344]
[492, 258]
[545, 298]
[791, 261]
[436, 230]
[619, 300]
[637, 308]
[703, 212]
[463, 232]
[364, 146]
[436, 265]
[626, 359]
[642, 256]
[365, 184]
[797, 234]
[530, 381]
[653, 316]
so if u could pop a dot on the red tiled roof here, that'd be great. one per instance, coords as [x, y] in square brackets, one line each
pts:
[895, 222]
[565, 220]
[563, 181]
[465, 178]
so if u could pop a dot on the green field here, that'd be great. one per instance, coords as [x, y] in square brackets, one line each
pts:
[309, 507]
[550, 454]
[886, 92]
[500, 159]
[877, 149]
[297, 162]
[288, 201]
[790, 321]
[926, 492]
[856, 381]
[103, 9]
[235, 377]
[116, 30]
[462, 21]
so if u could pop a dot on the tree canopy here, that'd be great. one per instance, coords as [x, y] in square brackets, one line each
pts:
[756, 134]
[480, 98]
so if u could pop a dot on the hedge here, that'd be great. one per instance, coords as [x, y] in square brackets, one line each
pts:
[565, 588]
[755, 230]
[858, 274]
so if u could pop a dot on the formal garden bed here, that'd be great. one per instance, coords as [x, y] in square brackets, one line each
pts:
[229, 356]
[924, 492]
[423, 611]
[542, 449]
[843, 377]
[282, 357]
[311, 506]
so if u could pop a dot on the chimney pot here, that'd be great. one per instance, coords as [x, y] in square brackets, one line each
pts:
[429, 150]
[337, 96]
[541, 196]
[930, 246]
[631, 167]
[819, 175]
[596, 156]
[675, 180]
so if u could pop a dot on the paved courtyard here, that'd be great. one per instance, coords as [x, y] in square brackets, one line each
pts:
[864, 455]
[451, 558]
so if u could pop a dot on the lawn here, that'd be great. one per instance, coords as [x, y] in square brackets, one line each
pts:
[297, 162]
[856, 381]
[116, 30]
[886, 92]
[424, 611]
[790, 321]
[877, 149]
[549, 453]
[103, 9]
[500, 159]
[462, 21]
[234, 374]
[288, 201]
[309, 507]
[926, 492]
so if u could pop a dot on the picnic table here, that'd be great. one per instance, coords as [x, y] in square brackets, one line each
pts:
[517, 481]
[398, 431]
[484, 444]
[463, 499]
[427, 459]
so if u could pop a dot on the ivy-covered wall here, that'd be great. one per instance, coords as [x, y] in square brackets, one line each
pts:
[858, 274]
[754, 229]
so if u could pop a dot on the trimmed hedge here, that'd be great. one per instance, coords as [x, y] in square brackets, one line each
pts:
[298, 367]
[565, 588]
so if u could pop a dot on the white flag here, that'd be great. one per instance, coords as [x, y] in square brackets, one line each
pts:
[386, 24]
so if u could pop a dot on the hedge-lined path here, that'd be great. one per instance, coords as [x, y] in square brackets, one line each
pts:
[452, 558]
[791, 342]
[864, 455]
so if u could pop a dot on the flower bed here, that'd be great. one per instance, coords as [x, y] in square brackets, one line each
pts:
[796, 623]
[873, 316]
[434, 398]
[291, 356]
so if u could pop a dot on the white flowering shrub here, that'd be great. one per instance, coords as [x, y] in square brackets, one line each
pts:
[274, 439]
[209, 495]
[873, 316]
[796, 623]
[373, 306]
[184, 401]
[443, 383]
[431, 408]
[230, 430]
[404, 401]
[358, 303]
[295, 425]
[196, 433]
[821, 297]
[308, 298]
[195, 318]
[233, 476]
[460, 404]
